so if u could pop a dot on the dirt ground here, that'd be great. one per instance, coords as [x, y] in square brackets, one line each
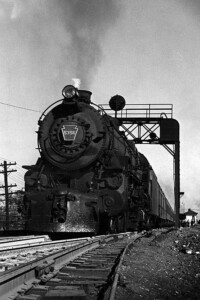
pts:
[162, 266]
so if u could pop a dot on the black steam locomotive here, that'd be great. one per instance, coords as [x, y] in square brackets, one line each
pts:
[89, 176]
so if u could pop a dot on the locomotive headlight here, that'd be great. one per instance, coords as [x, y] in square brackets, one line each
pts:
[69, 91]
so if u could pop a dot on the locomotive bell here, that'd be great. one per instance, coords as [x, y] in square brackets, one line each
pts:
[117, 103]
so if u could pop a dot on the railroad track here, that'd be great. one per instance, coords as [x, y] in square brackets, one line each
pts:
[77, 269]
[14, 253]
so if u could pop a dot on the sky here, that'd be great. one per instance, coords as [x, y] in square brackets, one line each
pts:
[145, 50]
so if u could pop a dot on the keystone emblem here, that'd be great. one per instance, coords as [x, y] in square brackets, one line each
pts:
[69, 132]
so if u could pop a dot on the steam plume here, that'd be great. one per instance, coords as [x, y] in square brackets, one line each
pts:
[77, 82]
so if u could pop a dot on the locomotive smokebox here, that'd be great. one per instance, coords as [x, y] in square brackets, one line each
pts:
[72, 134]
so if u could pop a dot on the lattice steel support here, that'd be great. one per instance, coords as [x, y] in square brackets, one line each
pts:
[177, 183]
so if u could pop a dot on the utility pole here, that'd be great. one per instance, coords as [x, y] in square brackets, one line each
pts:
[6, 172]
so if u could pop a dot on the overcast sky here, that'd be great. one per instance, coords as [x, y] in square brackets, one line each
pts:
[145, 50]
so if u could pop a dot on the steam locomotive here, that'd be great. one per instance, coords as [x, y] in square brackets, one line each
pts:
[89, 176]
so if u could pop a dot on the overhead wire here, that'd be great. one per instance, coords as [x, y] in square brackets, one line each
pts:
[19, 177]
[19, 168]
[20, 107]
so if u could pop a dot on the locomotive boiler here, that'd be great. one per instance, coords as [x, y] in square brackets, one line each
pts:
[89, 176]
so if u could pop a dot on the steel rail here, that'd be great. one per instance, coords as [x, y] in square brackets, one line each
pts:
[18, 242]
[11, 280]
[17, 246]
[118, 269]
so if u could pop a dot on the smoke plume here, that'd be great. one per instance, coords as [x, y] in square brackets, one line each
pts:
[86, 23]
[54, 39]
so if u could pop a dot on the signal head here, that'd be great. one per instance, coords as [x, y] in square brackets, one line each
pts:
[117, 103]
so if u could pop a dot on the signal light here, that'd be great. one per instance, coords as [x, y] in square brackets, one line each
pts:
[117, 103]
[153, 136]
